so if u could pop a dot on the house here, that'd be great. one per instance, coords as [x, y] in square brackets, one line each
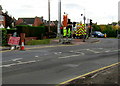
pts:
[2, 18]
[6, 20]
[52, 23]
[37, 21]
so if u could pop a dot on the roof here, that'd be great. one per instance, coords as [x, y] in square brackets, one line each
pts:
[28, 20]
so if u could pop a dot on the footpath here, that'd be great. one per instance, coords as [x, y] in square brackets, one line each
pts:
[108, 76]
[55, 42]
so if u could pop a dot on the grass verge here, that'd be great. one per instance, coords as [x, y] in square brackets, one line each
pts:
[38, 42]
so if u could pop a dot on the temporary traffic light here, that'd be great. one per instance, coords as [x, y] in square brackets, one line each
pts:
[90, 21]
[65, 20]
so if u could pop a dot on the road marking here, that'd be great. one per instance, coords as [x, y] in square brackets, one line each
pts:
[39, 47]
[36, 56]
[65, 82]
[49, 46]
[17, 59]
[57, 52]
[107, 51]
[70, 56]
[71, 51]
[5, 51]
[19, 63]
[92, 51]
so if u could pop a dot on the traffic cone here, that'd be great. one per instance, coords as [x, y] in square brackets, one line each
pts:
[22, 46]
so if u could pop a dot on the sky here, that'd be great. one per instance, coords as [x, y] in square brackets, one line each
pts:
[100, 11]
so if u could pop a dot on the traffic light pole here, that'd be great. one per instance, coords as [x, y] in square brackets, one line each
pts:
[59, 19]
[90, 27]
[49, 15]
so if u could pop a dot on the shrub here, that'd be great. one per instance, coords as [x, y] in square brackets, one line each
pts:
[110, 31]
[3, 37]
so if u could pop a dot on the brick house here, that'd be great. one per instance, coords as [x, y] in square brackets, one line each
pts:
[37, 21]
[2, 19]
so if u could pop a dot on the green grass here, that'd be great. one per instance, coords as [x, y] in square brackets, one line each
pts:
[38, 42]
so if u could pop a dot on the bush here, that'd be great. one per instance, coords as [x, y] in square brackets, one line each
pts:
[3, 36]
[110, 31]
[96, 28]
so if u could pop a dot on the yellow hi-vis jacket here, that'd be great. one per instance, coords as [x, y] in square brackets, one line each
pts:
[64, 32]
[69, 32]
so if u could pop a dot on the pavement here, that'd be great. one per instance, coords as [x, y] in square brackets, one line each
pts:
[106, 76]
[55, 43]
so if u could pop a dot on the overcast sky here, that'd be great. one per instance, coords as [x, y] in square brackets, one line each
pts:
[100, 11]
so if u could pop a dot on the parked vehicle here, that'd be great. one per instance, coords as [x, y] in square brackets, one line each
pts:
[98, 34]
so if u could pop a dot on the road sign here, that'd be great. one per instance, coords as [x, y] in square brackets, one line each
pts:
[14, 41]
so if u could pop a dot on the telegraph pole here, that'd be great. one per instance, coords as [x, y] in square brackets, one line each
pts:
[49, 15]
[59, 17]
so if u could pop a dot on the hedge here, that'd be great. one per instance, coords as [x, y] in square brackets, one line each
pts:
[31, 31]
[3, 37]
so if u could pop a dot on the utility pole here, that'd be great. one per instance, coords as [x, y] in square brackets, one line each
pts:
[84, 18]
[49, 15]
[59, 18]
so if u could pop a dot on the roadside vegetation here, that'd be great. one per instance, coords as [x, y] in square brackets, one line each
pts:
[38, 42]
[110, 30]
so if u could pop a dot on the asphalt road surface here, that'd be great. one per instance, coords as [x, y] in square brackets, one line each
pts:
[54, 65]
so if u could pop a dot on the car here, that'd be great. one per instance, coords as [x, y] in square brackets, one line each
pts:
[98, 34]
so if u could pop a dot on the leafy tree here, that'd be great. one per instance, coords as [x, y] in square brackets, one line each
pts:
[96, 27]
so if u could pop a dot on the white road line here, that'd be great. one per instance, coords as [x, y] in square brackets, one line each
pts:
[26, 62]
[19, 63]
[107, 51]
[57, 52]
[70, 56]
[92, 51]
[36, 56]
[71, 51]
[17, 59]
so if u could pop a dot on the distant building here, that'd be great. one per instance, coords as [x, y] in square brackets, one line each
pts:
[37, 21]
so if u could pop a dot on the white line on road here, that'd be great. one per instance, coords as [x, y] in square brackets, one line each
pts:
[107, 51]
[19, 63]
[36, 56]
[57, 52]
[71, 56]
[92, 51]
[17, 59]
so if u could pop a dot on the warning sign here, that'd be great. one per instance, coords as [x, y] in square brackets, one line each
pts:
[14, 41]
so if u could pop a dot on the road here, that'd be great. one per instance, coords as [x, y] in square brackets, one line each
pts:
[54, 65]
